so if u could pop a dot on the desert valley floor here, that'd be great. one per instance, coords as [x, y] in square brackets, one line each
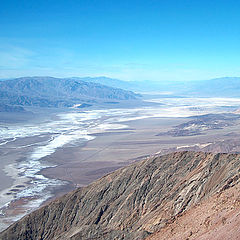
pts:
[75, 148]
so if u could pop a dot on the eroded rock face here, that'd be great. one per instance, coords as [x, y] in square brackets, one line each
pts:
[215, 218]
[133, 202]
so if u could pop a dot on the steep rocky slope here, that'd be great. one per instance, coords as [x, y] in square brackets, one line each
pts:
[215, 218]
[133, 202]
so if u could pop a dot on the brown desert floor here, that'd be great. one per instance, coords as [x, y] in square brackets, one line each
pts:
[110, 150]
[114, 149]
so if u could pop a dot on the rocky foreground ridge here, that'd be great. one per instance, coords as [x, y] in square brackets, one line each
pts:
[138, 201]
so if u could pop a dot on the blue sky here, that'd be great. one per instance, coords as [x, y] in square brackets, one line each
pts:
[157, 40]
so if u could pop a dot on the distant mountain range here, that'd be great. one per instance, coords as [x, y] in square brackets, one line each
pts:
[136, 86]
[58, 92]
[219, 87]
[67, 92]
[111, 82]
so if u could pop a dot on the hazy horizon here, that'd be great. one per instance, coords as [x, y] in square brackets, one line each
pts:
[113, 78]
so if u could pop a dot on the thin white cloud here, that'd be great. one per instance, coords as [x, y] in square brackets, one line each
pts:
[13, 57]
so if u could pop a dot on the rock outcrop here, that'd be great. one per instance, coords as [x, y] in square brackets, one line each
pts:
[134, 202]
[215, 218]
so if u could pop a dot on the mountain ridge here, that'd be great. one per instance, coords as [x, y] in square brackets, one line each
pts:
[132, 202]
[55, 92]
[225, 86]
